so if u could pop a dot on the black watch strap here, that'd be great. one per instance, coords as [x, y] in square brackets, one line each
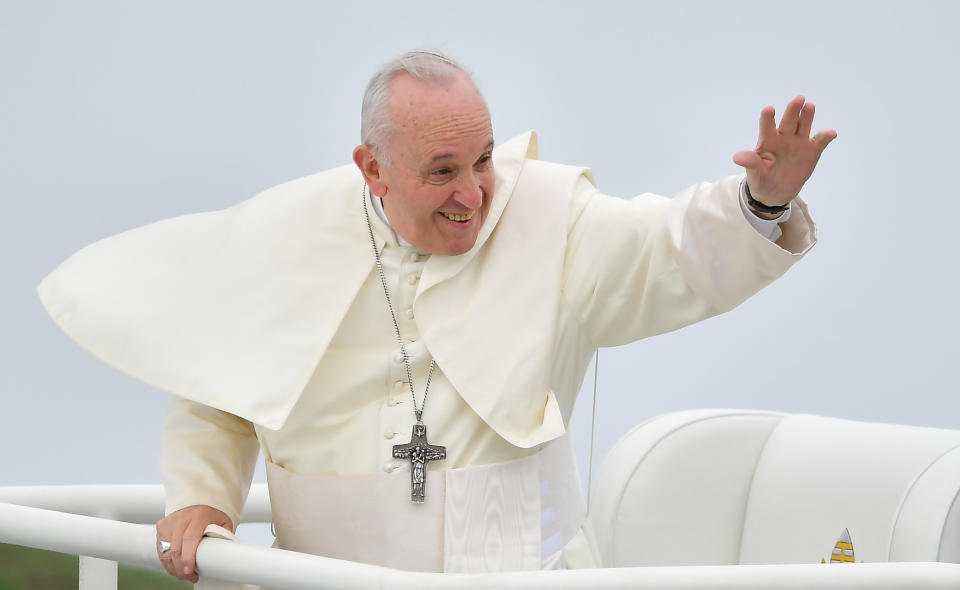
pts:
[755, 204]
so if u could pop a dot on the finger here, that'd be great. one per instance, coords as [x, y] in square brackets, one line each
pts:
[823, 138]
[747, 159]
[791, 115]
[167, 562]
[171, 532]
[806, 119]
[176, 548]
[768, 124]
[188, 551]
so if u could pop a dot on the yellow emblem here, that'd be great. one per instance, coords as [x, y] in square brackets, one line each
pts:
[843, 550]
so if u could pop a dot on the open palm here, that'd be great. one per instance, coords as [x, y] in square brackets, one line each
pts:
[785, 156]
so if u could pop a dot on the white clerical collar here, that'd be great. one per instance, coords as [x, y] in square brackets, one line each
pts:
[377, 203]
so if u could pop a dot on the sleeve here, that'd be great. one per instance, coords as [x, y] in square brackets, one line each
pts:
[768, 228]
[648, 265]
[208, 457]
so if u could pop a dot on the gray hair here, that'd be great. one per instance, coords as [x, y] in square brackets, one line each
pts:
[429, 66]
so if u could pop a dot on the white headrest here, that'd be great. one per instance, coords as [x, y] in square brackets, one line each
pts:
[891, 487]
[673, 490]
[726, 487]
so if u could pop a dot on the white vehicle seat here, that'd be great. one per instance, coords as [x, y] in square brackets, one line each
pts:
[721, 487]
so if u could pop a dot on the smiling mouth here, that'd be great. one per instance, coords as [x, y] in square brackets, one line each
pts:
[459, 217]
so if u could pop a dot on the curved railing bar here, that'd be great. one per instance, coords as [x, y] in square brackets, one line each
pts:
[240, 562]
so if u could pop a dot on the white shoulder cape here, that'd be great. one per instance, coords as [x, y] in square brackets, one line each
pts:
[235, 308]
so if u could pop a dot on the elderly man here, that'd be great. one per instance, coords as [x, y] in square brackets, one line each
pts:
[437, 283]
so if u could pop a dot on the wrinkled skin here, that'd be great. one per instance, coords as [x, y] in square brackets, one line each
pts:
[440, 164]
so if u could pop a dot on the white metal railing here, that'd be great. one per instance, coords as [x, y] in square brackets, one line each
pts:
[129, 503]
[104, 540]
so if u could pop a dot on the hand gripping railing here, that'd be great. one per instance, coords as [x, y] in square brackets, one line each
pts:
[133, 543]
[141, 504]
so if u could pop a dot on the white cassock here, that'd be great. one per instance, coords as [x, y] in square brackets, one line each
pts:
[268, 323]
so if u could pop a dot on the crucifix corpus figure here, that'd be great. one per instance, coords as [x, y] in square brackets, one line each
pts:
[419, 451]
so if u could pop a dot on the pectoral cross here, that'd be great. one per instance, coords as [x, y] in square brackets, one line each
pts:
[419, 451]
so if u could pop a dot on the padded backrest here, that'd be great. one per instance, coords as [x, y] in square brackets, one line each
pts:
[890, 487]
[936, 489]
[708, 487]
[673, 490]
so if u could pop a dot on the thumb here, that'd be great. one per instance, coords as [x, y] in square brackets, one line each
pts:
[748, 159]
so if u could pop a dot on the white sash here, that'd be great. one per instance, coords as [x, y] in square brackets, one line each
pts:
[509, 516]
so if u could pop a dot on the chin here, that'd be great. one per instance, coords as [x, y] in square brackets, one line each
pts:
[448, 249]
[457, 247]
[458, 251]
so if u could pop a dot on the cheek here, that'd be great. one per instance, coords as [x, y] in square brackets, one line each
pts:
[488, 182]
[428, 200]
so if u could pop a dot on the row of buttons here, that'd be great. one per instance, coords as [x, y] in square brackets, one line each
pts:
[400, 393]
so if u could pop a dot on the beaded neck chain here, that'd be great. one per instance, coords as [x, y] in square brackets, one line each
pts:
[418, 450]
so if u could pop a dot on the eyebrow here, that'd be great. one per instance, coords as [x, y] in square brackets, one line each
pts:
[438, 157]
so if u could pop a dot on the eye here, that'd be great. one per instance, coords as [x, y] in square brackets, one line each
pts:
[484, 161]
[441, 172]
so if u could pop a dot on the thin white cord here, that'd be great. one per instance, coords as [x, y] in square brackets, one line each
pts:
[593, 423]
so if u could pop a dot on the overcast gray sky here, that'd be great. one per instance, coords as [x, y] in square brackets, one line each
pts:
[115, 114]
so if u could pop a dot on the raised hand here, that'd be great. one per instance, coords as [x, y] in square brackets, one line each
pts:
[785, 156]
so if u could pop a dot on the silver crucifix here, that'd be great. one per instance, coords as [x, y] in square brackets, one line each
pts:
[419, 451]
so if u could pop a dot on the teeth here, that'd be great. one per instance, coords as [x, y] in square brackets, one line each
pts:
[458, 216]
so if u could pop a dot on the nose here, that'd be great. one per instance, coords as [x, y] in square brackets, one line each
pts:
[469, 193]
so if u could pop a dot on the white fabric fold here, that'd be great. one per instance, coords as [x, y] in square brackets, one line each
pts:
[236, 309]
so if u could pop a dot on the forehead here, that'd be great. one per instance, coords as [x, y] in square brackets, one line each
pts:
[430, 119]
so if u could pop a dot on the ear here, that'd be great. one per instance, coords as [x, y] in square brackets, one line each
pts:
[369, 166]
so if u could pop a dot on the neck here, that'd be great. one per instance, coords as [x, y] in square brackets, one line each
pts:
[377, 203]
